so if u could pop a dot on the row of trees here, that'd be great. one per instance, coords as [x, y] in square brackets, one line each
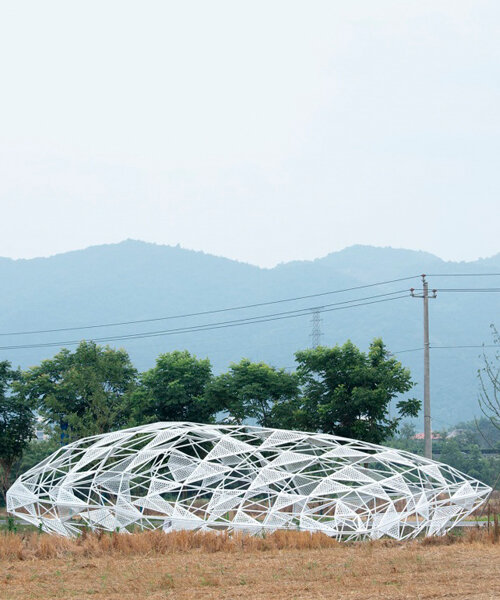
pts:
[97, 389]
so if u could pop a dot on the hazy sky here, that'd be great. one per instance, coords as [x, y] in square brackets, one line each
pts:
[262, 131]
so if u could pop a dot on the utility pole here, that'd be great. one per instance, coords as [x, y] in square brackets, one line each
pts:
[316, 326]
[427, 391]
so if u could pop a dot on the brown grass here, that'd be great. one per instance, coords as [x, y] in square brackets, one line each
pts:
[284, 565]
[31, 545]
[491, 506]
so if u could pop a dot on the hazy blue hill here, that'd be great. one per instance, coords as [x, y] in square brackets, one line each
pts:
[491, 263]
[357, 261]
[136, 280]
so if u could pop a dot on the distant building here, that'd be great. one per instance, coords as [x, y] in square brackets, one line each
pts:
[456, 433]
[40, 430]
[420, 436]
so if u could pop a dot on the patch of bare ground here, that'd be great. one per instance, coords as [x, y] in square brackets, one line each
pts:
[284, 565]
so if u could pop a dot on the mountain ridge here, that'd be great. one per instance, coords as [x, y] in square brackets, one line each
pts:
[135, 280]
[342, 252]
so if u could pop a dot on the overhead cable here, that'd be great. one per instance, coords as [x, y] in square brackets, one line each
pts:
[209, 326]
[463, 274]
[208, 312]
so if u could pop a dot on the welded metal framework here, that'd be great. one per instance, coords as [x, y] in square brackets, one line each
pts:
[236, 477]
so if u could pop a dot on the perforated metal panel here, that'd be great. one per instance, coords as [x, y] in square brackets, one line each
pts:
[229, 477]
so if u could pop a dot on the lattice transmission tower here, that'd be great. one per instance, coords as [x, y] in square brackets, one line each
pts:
[316, 326]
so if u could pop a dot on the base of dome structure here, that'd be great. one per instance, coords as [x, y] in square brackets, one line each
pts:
[173, 476]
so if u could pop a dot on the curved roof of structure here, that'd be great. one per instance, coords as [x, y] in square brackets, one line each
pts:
[238, 477]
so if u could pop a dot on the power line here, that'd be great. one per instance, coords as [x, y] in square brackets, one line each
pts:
[454, 347]
[297, 310]
[250, 320]
[463, 275]
[254, 305]
[466, 346]
[473, 289]
[209, 312]
[207, 327]
[219, 325]
[407, 350]
[394, 352]
[468, 290]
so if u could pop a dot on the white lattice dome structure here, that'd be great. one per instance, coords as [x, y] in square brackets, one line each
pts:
[232, 477]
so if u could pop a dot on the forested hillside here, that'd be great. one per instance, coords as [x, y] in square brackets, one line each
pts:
[133, 281]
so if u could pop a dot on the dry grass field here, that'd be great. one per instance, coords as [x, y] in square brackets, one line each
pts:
[284, 565]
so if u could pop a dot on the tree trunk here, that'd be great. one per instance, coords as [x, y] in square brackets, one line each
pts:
[5, 470]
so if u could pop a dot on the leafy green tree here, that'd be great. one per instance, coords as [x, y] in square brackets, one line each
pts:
[16, 425]
[463, 454]
[83, 392]
[348, 392]
[36, 451]
[452, 453]
[407, 431]
[254, 391]
[174, 390]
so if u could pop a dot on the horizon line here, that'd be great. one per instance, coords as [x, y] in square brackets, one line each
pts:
[292, 260]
